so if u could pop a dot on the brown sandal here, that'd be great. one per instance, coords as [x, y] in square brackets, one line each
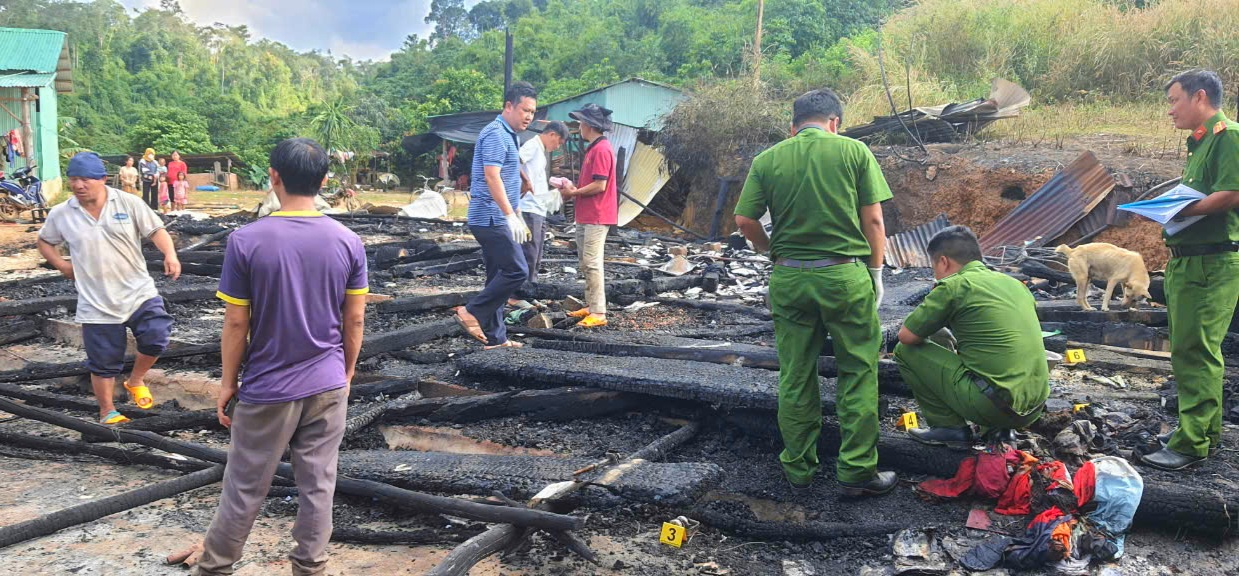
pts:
[472, 328]
[508, 344]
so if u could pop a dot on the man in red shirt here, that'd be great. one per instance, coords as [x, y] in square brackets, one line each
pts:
[597, 209]
[176, 168]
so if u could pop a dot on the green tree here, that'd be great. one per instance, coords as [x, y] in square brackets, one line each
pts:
[168, 129]
[450, 19]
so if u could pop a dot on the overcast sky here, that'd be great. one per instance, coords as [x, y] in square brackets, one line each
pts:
[362, 29]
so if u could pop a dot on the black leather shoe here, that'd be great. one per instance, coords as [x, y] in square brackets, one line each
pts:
[882, 483]
[942, 436]
[1169, 460]
[1165, 439]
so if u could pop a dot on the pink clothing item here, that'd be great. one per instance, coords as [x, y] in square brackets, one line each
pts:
[163, 193]
[180, 192]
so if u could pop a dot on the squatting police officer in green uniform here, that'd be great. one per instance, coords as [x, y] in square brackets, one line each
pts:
[999, 379]
[1202, 277]
[823, 192]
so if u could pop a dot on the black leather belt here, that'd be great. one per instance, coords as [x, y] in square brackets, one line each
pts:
[1003, 404]
[1203, 249]
[823, 263]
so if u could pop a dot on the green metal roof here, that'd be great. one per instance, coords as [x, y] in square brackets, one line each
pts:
[26, 79]
[30, 50]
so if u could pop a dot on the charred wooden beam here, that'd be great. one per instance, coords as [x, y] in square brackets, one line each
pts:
[811, 530]
[14, 332]
[186, 293]
[465, 556]
[548, 405]
[715, 306]
[521, 477]
[419, 269]
[375, 344]
[748, 356]
[91, 511]
[425, 302]
[45, 371]
[725, 385]
[383, 492]
[195, 268]
[1069, 311]
[614, 288]
[55, 448]
[208, 240]
[419, 536]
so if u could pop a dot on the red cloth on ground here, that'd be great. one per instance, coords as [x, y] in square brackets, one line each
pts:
[993, 474]
[984, 475]
[1016, 500]
[954, 487]
[1085, 482]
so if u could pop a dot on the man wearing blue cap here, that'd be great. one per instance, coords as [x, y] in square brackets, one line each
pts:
[103, 228]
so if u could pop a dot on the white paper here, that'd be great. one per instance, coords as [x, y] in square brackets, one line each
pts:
[1163, 209]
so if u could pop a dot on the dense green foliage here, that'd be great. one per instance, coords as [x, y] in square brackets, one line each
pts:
[154, 79]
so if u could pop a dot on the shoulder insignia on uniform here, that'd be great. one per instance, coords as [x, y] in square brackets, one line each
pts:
[1219, 127]
[1198, 133]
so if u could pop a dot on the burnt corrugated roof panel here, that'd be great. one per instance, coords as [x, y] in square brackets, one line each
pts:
[1054, 208]
[909, 249]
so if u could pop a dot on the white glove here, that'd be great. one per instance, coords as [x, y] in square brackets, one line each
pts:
[878, 290]
[520, 231]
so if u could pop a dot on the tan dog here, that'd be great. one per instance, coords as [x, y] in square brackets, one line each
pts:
[1107, 262]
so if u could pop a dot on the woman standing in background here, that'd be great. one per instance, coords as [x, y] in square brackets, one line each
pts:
[129, 177]
[150, 179]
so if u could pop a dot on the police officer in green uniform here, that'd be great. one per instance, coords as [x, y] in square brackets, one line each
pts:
[999, 379]
[1202, 277]
[823, 192]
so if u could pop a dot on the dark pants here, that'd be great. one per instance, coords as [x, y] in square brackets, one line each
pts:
[506, 271]
[150, 193]
[533, 248]
[105, 343]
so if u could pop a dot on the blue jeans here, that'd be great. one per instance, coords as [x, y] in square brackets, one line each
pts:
[506, 272]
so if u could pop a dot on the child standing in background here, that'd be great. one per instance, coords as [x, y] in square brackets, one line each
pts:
[163, 193]
[180, 192]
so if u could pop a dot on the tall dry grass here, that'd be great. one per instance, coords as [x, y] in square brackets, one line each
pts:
[1093, 67]
[1066, 49]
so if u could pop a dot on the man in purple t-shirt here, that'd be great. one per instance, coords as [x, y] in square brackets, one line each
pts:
[294, 283]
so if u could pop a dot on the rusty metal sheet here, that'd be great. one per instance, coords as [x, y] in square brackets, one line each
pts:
[909, 249]
[1054, 208]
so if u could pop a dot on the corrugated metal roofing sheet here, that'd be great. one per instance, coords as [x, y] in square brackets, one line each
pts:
[646, 176]
[1054, 208]
[26, 79]
[30, 50]
[909, 249]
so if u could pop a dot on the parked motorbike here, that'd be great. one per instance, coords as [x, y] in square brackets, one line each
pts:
[22, 191]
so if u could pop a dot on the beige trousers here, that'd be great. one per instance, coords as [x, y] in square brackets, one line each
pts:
[312, 429]
[590, 241]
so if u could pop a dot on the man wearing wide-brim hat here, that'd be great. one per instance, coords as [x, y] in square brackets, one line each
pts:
[597, 209]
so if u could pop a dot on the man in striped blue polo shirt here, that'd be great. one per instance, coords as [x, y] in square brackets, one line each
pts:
[494, 194]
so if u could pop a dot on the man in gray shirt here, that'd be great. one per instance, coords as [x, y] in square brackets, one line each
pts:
[104, 228]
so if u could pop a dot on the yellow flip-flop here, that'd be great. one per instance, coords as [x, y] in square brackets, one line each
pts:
[593, 321]
[583, 312]
[113, 418]
[141, 396]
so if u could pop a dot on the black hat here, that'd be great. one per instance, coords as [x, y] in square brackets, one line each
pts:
[594, 115]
